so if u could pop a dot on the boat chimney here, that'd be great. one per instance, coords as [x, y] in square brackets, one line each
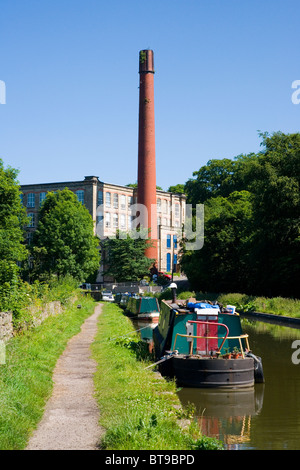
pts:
[173, 288]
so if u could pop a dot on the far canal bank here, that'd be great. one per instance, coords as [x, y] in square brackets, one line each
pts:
[272, 318]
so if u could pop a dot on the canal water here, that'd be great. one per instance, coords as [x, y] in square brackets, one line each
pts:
[266, 416]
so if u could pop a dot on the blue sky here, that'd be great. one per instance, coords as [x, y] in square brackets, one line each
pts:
[224, 70]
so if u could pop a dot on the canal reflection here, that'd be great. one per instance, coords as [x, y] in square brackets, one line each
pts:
[264, 417]
[223, 414]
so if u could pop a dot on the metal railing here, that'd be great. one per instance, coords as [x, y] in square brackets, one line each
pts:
[224, 338]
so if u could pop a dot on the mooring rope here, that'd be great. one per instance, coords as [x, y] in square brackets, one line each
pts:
[163, 359]
[127, 334]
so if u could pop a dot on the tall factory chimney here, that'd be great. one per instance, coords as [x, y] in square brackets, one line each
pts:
[146, 149]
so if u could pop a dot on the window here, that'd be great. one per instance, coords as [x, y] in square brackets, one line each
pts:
[115, 220]
[175, 242]
[100, 198]
[42, 198]
[107, 199]
[158, 220]
[29, 237]
[116, 201]
[30, 200]
[158, 205]
[32, 219]
[129, 222]
[175, 262]
[130, 201]
[123, 202]
[176, 210]
[164, 206]
[107, 219]
[168, 241]
[22, 198]
[168, 262]
[80, 195]
[99, 219]
[123, 221]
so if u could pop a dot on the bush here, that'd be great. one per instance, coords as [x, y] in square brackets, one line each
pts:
[16, 295]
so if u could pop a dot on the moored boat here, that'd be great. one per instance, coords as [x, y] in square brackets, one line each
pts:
[201, 344]
[143, 308]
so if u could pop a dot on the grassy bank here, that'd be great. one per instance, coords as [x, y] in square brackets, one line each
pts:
[139, 409]
[246, 303]
[26, 377]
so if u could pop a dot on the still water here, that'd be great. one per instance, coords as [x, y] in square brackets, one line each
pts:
[266, 416]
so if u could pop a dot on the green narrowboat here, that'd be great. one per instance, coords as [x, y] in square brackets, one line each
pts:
[123, 301]
[118, 297]
[143, 308]
[201, 344]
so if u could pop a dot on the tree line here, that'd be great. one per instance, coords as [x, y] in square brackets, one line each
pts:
[252, 221]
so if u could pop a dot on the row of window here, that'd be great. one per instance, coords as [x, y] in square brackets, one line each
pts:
[164, 206]
[114, 199]
[113, 220]
[169, 260]
[119, 221]
[111, 200]
[168, 241]
[165, 221]
[42, 196]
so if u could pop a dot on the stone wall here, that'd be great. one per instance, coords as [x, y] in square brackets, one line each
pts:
[38, 316]
[6, 326]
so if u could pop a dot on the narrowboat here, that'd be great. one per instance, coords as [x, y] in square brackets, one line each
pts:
[123, 301]
[143, 308]
[202, 344]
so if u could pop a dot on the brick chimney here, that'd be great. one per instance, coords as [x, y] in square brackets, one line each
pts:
[146, 148]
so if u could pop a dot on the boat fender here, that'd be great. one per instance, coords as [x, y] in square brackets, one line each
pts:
[258, 368]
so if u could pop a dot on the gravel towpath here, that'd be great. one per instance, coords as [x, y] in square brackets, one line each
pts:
[71, 417]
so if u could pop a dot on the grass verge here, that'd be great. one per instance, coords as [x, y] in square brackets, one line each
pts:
[139, 409]
[26, 377]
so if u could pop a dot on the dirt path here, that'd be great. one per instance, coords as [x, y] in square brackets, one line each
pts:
[70, 420]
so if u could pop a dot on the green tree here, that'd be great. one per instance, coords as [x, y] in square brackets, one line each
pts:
[64, 242]
[252, 220]
[12, 248]
[222, 264]
[125, 258]
[12, 217]
[276, 203]
[177, 189]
